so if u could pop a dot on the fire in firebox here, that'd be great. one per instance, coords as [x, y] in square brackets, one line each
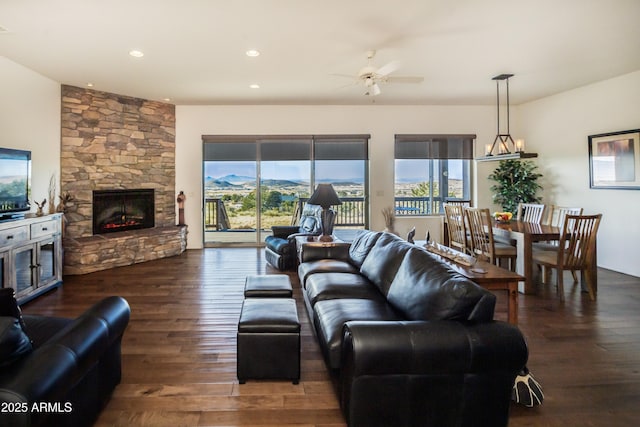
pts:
[120, 210]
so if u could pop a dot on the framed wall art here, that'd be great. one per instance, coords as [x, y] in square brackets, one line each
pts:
[614, 160]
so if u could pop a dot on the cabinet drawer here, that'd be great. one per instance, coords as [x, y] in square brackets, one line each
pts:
[14, 235]
[45, 228]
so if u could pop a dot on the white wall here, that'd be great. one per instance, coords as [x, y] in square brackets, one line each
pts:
[30, 120]
[382, 122]
[557, 128]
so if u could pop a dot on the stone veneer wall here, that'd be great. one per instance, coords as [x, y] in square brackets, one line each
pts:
[108, 142]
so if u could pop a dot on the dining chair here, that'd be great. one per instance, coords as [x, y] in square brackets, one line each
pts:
[456, 227]
[482, 243]
[556, 218]
[463, 203]
[530, 212]
[557, 214]
[574, 252]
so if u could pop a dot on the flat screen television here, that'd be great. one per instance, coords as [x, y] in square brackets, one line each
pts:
[15, 182]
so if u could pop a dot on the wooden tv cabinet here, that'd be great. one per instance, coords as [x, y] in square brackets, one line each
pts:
[31, 255]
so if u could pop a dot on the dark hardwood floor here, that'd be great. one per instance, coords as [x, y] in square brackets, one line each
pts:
[179, 355]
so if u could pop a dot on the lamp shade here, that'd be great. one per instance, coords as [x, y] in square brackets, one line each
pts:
[324, 196]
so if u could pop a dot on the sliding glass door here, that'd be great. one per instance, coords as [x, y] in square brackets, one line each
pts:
[253, 183]
[342, 162]
[230, 192]
[285, 172]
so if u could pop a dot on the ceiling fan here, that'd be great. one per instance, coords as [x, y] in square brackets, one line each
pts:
[370, 76]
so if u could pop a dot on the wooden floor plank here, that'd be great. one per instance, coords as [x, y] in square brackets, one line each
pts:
[179, 351]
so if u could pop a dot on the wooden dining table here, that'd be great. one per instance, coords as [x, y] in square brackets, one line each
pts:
[525, 234]
[487, 275]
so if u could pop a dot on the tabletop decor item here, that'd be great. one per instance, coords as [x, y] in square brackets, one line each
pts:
[502, 216]
[389, 220]
[40, 211]
[326, 196]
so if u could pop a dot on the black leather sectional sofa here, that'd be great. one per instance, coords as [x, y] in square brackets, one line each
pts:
[69, 375]
[411, 342]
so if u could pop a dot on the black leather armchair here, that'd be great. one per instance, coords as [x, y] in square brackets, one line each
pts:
[74, 367]
[280, 249]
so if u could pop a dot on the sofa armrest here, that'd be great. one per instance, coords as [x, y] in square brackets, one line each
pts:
[50, 371]
[427, 347]
[313, 251]
[433, 365]
[284, 231]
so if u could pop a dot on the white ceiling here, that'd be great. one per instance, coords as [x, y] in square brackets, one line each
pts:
[195, 49]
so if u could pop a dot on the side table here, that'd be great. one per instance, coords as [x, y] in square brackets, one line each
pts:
[313, 249]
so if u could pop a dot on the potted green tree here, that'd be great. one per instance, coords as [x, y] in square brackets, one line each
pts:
[516, 182]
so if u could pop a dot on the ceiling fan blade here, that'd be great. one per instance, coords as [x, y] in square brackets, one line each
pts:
[373, 90]
[405, 79]
[388, 68]
[349, 76]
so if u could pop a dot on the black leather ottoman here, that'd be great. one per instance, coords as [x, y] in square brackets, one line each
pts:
[268, 340]
[268, 286]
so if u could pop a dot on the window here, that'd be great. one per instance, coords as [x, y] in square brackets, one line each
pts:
[429, 170]
[254, 182]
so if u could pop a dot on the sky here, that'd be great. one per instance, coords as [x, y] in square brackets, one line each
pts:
[406, 170]
[9, 167]
[292, 170]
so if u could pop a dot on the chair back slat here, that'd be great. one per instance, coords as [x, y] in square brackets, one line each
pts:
[557, 214]
[530, 212]
[481, 234]
[456, 226]
[578, 238]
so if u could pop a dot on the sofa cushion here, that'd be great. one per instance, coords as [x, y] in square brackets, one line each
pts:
[14, 342]
[325, 286]
[331, 315]
[306, 269]
[361, 246]
[384, 258]
[426, 289]
[42, 328]
[310, 219]
[309, 225]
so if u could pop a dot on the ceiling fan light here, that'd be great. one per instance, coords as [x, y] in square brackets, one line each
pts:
[375, 89]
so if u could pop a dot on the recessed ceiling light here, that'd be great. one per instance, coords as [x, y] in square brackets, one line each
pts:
[136, 53]
[252, 53]
[89, 84]
[254, 86]
[167, 99]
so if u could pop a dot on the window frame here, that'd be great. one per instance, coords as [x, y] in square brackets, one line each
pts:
[437, 150]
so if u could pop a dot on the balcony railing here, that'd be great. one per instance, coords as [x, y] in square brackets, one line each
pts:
[351, 213]
[407, 206]
[215, 215]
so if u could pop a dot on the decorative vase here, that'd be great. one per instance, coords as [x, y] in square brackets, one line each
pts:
[390, 230]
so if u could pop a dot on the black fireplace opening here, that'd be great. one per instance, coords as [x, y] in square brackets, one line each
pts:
[121, 210]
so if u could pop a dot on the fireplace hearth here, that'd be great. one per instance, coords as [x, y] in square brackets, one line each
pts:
[121, 210]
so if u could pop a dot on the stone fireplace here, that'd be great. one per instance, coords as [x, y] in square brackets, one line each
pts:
[114, 145]
[121, 210]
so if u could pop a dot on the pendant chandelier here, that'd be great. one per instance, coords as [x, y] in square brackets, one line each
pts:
[504, 147]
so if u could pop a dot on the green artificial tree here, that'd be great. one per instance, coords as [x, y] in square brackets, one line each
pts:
[516, 182]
